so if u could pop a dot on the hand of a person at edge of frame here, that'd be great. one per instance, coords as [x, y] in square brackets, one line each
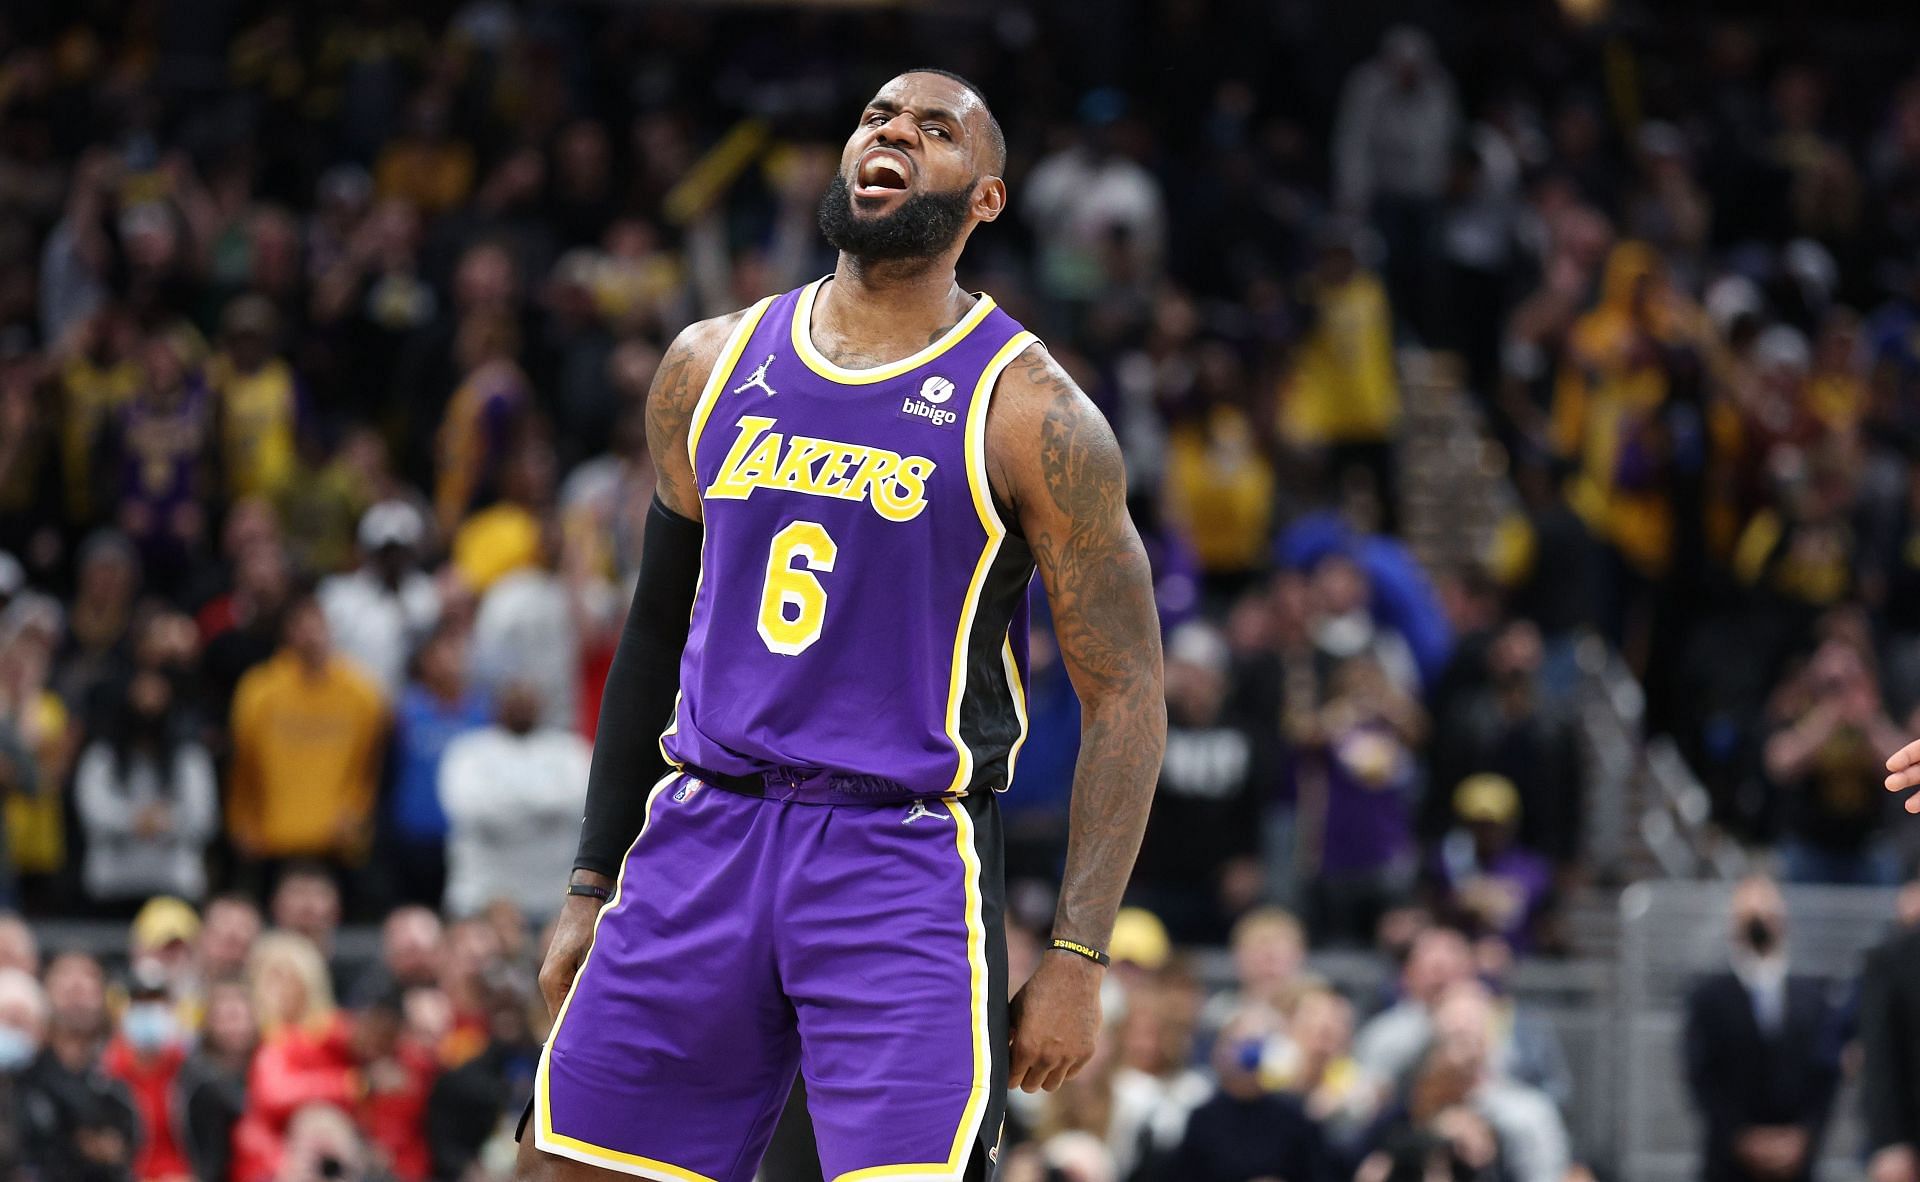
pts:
[1056, 1022]
[572, 936]
[1903, 772]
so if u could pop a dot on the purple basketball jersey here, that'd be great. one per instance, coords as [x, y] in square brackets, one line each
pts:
[860, 629]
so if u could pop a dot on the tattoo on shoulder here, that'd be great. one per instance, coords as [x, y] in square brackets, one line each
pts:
[670, 402]
[1102, 592]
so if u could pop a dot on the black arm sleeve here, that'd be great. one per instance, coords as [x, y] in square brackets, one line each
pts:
[640, 692]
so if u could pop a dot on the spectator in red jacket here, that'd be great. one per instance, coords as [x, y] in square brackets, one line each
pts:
[146, 1054]
[305, 1054]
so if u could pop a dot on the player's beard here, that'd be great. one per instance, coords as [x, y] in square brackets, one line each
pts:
[924, 225]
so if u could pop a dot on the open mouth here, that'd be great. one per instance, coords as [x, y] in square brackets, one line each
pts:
[881, 171]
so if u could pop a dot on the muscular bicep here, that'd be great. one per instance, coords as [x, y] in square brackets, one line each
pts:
[677, 386]
[1062, 470]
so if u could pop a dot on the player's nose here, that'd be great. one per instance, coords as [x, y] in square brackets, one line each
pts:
[899, 131]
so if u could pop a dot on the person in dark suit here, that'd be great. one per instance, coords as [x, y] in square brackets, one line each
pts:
[1762, 1052]
[1890, 1035]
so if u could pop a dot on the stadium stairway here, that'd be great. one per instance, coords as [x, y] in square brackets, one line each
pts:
[1453, 486]
[1646, 815]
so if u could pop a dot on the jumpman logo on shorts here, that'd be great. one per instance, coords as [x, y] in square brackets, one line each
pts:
[759, 379]
[918, 811]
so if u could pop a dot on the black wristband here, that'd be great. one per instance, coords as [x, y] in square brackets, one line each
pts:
[1093, 954]
[589, 890]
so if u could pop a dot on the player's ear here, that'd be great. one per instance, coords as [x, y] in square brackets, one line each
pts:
[989, 198]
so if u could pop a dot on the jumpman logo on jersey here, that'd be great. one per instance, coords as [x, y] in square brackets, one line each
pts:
[759, 379]
[918, 811]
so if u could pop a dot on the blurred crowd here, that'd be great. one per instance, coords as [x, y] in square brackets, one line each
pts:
[325, 333]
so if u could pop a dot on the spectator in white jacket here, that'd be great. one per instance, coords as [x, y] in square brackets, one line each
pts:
[513, 794]
[146, 798]
[380, 613]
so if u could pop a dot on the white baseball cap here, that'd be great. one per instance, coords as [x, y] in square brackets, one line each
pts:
[391, 523]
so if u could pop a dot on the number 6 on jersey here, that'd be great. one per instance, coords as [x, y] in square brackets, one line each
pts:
[793, 606]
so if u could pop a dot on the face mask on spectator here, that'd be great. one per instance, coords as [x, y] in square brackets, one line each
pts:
[16, 1049]
[149, 1025]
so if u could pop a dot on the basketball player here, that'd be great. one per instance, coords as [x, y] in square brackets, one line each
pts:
[857, 481]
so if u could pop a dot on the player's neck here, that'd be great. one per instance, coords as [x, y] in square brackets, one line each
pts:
[875, 304]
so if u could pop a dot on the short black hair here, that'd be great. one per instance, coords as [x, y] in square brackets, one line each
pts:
[996, 139]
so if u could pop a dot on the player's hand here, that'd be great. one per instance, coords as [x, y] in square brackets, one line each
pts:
[1056, 1021]
[572, 936]
[1903, 772]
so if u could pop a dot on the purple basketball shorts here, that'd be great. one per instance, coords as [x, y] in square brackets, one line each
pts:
[860, 945]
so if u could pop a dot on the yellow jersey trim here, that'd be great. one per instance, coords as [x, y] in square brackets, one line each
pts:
[971, 1115]
[716, 382]
[817, 362]
[559, 1144]
[976, 451]
[722, 370]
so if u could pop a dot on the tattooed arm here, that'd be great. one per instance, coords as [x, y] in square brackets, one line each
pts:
[1053, 457]
[677, 386]
[645, 675]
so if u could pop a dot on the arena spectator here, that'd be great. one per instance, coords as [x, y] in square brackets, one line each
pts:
[210, 1093]
[483, 419]
[411, 941]
[1269, 948]
[469, 1110]
[304, 1056]
[1830, 734]
[146, 1056]
[1199, 865]
[232, 925]
[1458, 1072]
[1245, 1131]
[437, 707]
[78, 1122]
[147, 799]
[1318, 1067]
[256, 401]
[1361, 767]
[381, 613]
[242, 628]
[512, 794]
[530, 621]
[1762, 1050]
[1391, 1043]
[399, 1074]
[1089, 201]
[1343, 396]
[23, 1030]
[1487, 881]
[159, 451]
[306, 902]
[323, 1144]
[1391, 144]
[1510, 725]
[19, 947]
[37, 721]
[98, 618]
[1156, 1085]
[160, 944]
[307, 735]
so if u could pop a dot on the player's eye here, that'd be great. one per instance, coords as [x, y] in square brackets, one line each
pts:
[876, 119]
[936, 129]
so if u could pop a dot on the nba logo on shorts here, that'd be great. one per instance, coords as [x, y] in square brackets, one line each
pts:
[687, 788]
